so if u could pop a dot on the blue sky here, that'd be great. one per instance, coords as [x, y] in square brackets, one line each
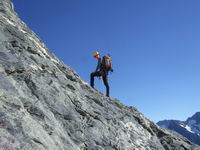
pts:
[155, 46]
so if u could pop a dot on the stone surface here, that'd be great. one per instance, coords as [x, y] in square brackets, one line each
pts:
[44, 104]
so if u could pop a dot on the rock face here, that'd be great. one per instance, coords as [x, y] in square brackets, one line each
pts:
[44, 104]
[189, 128]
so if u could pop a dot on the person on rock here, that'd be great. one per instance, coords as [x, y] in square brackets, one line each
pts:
[104, 65]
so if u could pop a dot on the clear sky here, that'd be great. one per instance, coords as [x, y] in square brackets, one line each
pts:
[155, 46]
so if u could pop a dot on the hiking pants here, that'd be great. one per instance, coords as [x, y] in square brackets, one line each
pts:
[104, 77]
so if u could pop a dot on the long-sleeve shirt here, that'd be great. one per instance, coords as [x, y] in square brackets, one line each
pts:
[98, 65]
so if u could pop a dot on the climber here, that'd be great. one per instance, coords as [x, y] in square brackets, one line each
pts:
[104, 65]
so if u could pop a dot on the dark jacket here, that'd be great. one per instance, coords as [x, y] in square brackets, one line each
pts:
[98, 68]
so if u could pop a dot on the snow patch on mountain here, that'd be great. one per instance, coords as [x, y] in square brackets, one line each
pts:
[188, 128]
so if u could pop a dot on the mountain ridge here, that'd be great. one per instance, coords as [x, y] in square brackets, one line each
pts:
[189, 128]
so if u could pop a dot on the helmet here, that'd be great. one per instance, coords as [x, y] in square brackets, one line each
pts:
[95, 53]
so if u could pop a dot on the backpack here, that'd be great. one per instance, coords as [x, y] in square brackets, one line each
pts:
[106, 63]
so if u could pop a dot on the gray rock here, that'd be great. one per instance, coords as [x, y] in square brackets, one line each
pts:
[45, 105]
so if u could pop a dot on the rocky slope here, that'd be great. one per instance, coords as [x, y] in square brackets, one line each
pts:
[189, 128]
[44, 105]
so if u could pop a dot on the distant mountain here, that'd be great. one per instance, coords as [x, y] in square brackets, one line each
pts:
[189, 128]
